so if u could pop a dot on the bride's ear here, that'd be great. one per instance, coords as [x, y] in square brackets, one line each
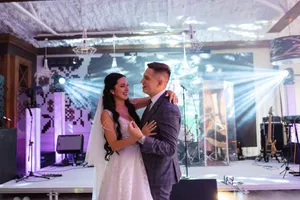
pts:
[112, 92]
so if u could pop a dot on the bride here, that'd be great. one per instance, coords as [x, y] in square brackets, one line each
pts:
[119, 170]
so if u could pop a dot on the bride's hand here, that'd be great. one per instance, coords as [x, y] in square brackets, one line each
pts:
[172, 96]
[134, 131]
[148, 128]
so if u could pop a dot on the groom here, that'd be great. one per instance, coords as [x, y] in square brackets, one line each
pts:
[160, 151]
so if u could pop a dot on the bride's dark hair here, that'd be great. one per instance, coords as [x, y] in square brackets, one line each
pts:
[109, 103]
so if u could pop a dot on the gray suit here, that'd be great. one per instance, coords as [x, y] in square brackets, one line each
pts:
[160, 151]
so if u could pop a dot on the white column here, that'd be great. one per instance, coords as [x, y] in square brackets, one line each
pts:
[290, 99]
[33, 134]
[59, 120]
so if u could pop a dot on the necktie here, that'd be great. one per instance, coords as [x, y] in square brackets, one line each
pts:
[146, 110]
[148, 105]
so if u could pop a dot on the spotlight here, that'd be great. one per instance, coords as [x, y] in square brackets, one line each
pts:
[209, 68]
[58, 79]
[74, 61]
[62, 80]
[289, 76]
[59, 82]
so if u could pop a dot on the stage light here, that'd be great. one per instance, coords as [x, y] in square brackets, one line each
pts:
[59, 82]
[59, 79]
[209, 68]
[62, 80]
[289, 76]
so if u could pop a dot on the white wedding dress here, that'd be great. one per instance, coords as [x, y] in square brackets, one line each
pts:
[125, 176]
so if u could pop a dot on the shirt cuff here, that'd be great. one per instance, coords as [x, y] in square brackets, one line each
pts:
[142, 139]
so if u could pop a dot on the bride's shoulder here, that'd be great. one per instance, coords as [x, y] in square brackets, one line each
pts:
[106, 115]
[105, 112]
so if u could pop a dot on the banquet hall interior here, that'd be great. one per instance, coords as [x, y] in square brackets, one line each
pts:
[235, 70]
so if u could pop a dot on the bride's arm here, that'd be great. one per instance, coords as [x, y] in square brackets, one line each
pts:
[142, 102]
[111, 135]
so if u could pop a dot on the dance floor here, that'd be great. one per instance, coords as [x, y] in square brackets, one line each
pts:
[249, 175]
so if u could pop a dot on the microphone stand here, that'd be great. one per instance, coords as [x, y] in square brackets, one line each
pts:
[185, 142]
[30, 144]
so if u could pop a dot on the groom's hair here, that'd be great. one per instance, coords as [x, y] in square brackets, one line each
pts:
[160, 68]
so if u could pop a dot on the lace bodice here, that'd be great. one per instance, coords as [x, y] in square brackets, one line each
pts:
[124, 127]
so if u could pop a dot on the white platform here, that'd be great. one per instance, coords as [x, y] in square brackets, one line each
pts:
[79, 179]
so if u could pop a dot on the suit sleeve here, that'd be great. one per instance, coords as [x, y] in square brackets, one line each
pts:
[168, 129]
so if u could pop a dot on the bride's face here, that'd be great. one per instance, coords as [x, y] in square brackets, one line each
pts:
[121, 89]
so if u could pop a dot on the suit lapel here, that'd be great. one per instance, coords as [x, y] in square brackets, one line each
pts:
[152, 111]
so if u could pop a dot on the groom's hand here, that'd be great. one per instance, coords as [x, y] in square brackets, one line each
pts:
[172, 96]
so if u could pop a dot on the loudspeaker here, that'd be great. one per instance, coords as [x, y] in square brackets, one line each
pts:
[292, 152]
[70, 144]
[195, 189]
[8, 154]
[277, 129]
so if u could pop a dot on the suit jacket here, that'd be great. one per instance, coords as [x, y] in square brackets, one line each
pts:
[159, 151]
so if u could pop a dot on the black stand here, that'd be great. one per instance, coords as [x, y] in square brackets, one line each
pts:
[295, 149]
[30, 144]
[287, 160]
[197, 138]
[185, 141]
[65, 161]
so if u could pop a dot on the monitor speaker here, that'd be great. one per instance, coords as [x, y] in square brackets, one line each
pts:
[195, 189]
[70, 144]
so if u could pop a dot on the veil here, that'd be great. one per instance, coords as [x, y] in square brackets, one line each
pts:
[95, 151]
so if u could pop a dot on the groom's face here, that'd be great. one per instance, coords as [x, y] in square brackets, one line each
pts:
[150, 82]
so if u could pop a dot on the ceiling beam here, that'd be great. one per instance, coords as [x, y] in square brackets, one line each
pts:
[286, 19]
[161, 48]
[10, 1]
[271, 5]
[45, 26]
[106, 34]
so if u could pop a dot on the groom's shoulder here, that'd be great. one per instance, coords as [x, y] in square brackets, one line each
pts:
[170, 106]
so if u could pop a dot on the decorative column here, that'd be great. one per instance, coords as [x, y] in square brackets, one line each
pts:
[290, 99]
[59, 120]
[33, 140]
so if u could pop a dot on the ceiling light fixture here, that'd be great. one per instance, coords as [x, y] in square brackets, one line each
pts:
[43, 77]
[196, 46]
[84, 49]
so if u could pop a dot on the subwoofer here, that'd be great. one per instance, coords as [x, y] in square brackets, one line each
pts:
[8, 154]
[195, 189]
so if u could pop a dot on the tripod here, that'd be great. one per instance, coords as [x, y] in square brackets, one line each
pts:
[197, 137]
[30, 145]
[185, 139]
[289, 144]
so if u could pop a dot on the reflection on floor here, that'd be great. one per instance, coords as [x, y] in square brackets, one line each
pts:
[249, 175]
[254, 178]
